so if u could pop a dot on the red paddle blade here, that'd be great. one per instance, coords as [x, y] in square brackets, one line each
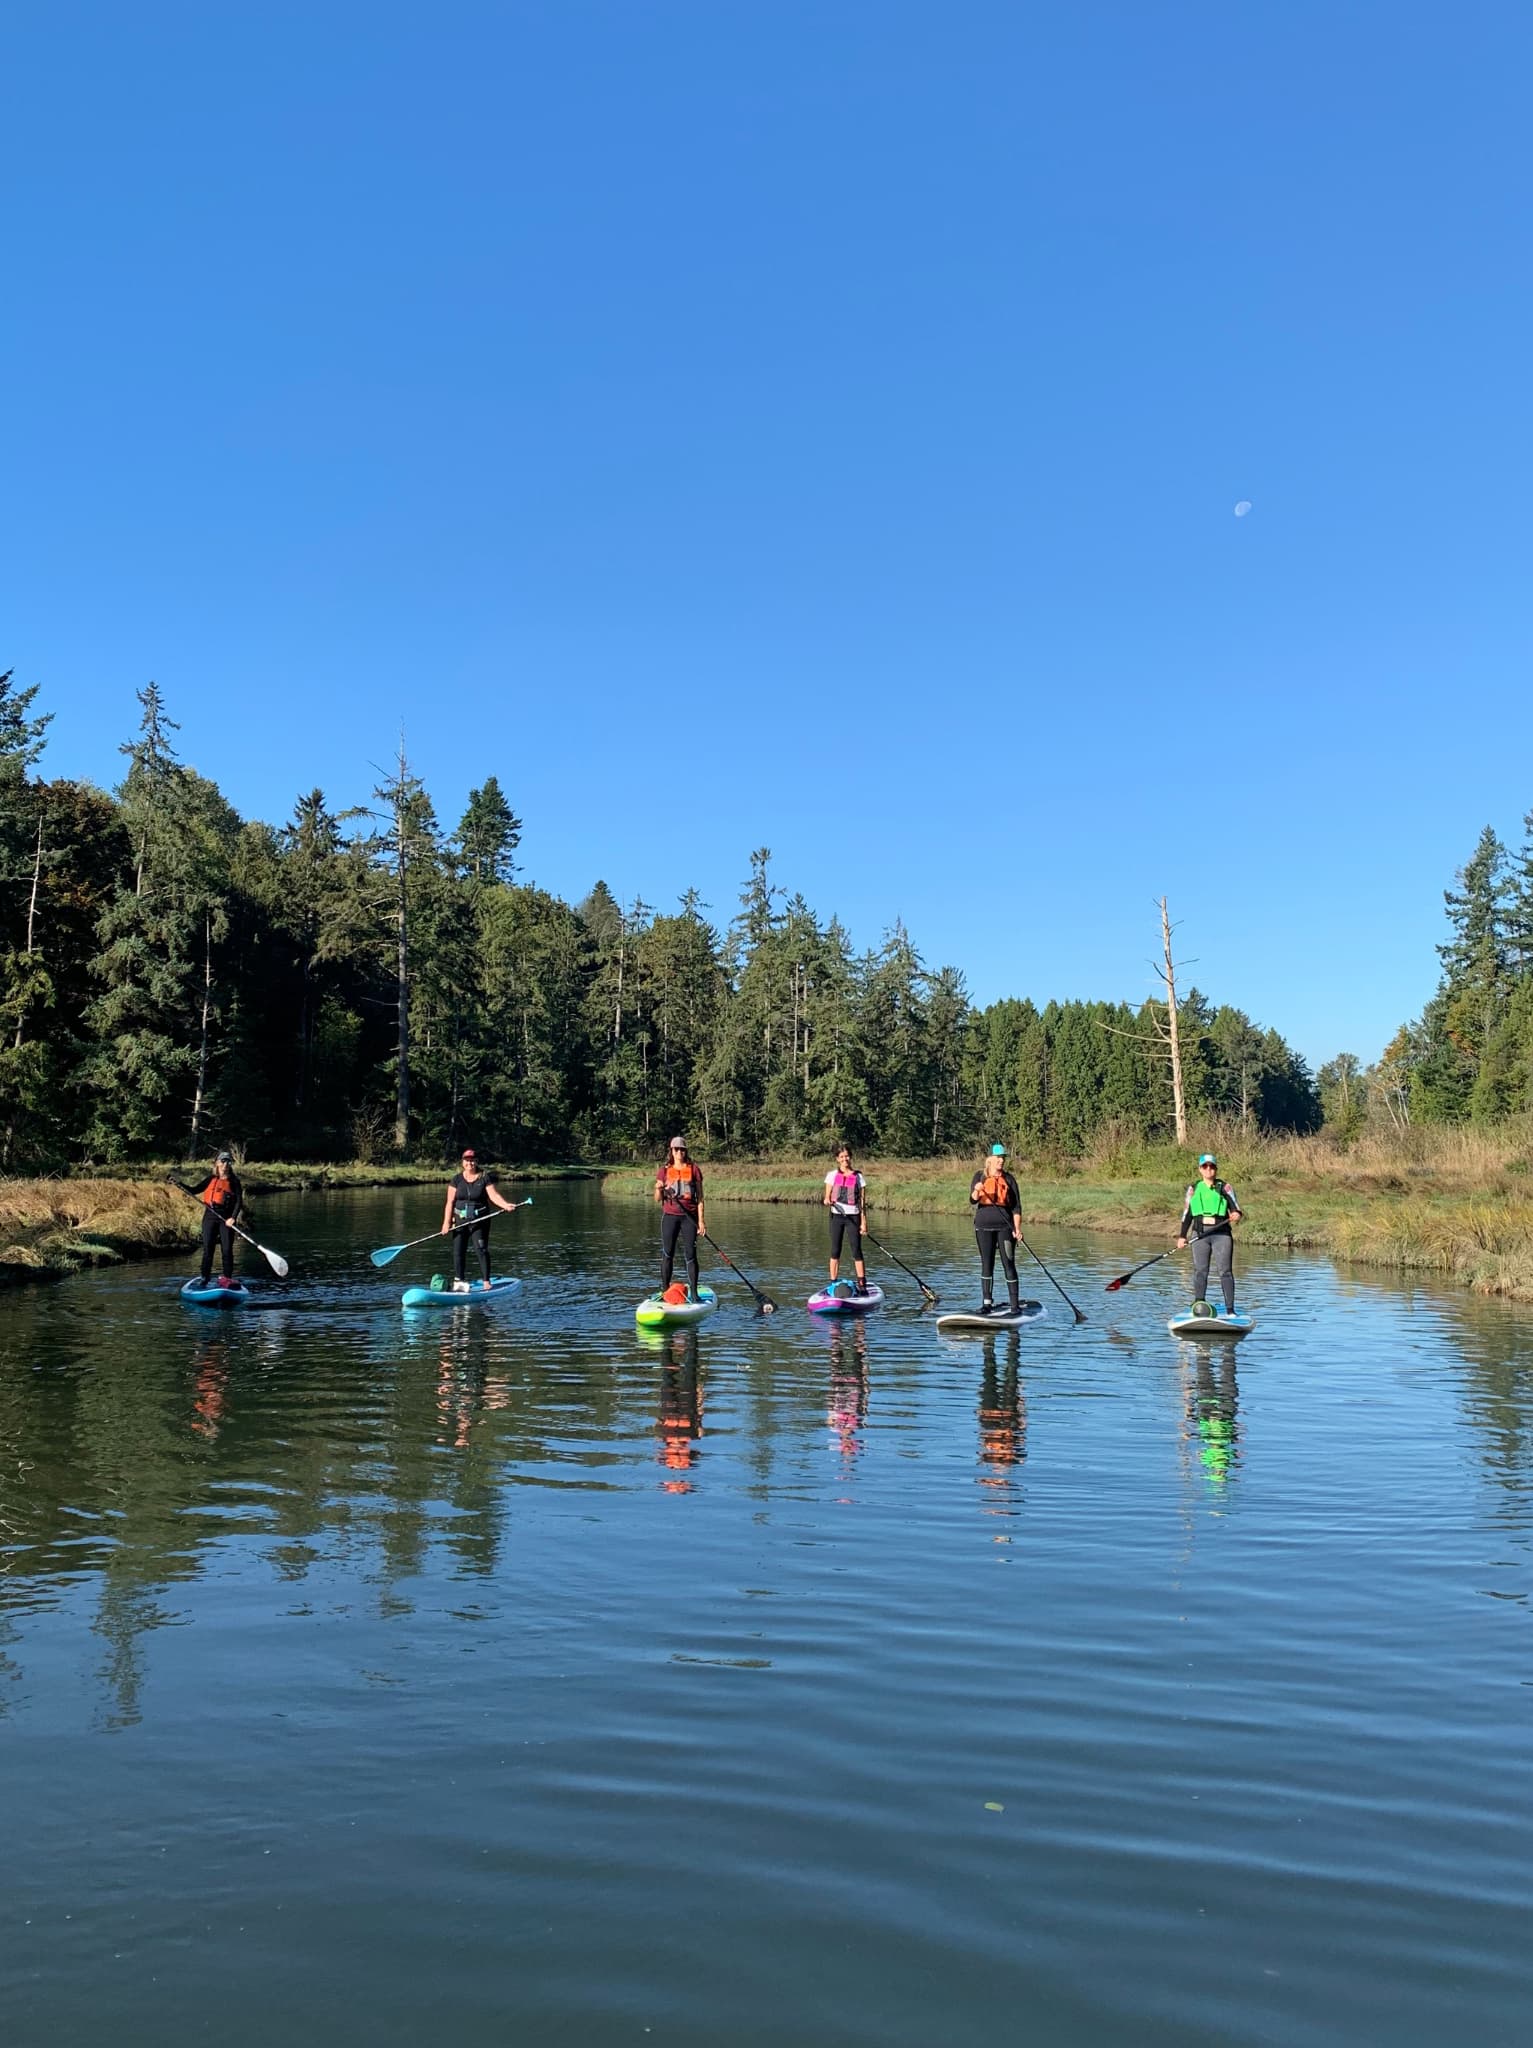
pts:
[1113, 1285]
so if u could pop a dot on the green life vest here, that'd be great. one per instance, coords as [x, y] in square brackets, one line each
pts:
[1210, 1200]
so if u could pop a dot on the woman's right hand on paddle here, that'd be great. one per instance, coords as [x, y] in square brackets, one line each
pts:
[1181, 1244]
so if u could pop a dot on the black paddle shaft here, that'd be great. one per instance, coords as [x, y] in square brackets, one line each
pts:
[768, 1306]
[1043, 1269]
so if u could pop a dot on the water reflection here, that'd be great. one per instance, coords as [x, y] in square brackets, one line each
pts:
[847, 1404]
[1211, 1406]
[1002, 1422]
[442, 1550]
[679, 1423]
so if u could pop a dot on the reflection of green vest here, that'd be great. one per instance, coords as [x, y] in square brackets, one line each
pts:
[1209, 1201]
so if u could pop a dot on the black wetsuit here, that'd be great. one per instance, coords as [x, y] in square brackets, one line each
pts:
[471, 1198]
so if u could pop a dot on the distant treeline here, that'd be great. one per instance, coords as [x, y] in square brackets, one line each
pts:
[365, 983]
[1468, 1058]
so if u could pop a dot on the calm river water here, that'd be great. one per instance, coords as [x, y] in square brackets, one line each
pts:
[375, 1679]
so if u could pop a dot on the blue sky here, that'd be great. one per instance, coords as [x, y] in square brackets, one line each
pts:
[804, 425]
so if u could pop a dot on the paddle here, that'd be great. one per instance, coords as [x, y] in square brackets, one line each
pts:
[764, 1305]
[1043, 1269]
[1124, 1278]
[275, 1260]
[932, 1296]
[390, 1252]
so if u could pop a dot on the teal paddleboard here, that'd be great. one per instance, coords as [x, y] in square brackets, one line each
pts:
[477, 1295]
[214, 1296]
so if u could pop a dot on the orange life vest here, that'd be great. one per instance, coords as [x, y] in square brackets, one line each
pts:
[993, 1189]
[217, 1191]
[679, 1183]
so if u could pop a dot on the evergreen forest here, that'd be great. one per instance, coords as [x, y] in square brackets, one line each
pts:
[371, 983]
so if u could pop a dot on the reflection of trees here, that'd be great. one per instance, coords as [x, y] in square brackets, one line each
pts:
[131, 1463]
[1494, 1344]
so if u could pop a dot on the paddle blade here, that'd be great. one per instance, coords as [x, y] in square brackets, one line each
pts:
[1121, 1281]
[275, 1260]
[389, 1253]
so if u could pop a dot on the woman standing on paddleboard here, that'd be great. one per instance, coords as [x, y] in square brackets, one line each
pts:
[471, 1195]
[997, 1203]
[1208, 1211]
[679, 1191]
[846, 1198]
[223, 1198]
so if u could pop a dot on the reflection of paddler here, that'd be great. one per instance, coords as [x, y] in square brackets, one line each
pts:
[211, 1392]
[1002, 1414]
[847, 1409]
[1213, 1401]
[680, 1421]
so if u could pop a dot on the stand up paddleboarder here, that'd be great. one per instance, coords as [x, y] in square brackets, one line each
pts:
[470, 1195]
[679, 1191]
[1208, 1212]
[997, 1203]
[846, 1196]
[223, 1200]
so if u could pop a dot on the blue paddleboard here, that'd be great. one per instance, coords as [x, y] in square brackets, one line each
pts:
[477, 1295]
[214, 1296]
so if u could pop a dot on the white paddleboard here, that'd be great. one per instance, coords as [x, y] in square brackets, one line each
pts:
[998, 1319]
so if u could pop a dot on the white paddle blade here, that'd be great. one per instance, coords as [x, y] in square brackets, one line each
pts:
[275, 1260]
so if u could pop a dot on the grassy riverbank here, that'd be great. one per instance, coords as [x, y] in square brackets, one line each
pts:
[1453, 1203]
[50, 1228]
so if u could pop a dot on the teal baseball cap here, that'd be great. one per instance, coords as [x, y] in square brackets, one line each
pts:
[997, 1151]
[1207, 1159]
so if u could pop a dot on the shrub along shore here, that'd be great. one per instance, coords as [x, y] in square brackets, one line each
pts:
[51, 1228]
[1454, 1203]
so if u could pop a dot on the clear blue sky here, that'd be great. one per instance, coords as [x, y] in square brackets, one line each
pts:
[813, 424]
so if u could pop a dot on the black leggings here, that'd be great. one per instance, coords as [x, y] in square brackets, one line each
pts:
[674, 1230]
[1216, 1250]
[481, 1236]
[216, 1231]
[842, 1227]
[989, 1241]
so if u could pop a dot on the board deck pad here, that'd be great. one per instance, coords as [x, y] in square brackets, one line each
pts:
[998, 1319]
[827, 1304]
[450, 1297]
[655, 1314]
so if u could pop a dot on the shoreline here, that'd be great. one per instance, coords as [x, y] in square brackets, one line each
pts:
[53, 1228]
[1480, 1237]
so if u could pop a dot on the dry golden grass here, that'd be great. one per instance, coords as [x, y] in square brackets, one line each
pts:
[60, 1226]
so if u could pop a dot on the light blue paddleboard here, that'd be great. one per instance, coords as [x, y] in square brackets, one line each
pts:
[214, 1296]
[477, 1295]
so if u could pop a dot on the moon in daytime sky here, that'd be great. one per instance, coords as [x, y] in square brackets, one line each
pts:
[1242, 508]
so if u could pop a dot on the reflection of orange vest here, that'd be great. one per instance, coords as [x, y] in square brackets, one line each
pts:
[679, 1186]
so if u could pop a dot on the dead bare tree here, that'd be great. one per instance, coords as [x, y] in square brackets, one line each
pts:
[1163, 1040]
